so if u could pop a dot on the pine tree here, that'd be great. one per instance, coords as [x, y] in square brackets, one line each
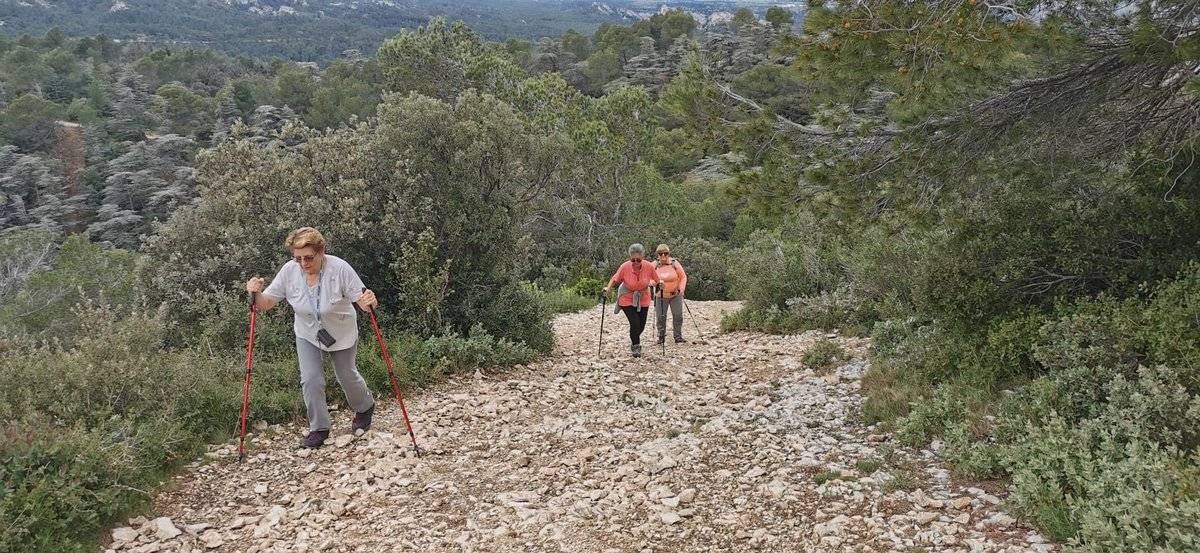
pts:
[31, 193]
[225, 114]
[145, 185]
[131, 113]
[780, 18]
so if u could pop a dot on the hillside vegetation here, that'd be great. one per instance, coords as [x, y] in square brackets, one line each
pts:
[1002, 198]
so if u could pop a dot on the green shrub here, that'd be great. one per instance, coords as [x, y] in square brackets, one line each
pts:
[926, 353]
[552, 277]
[61, 484]
[81, 272]
[452, 354]
[826, 476]
[868, 465]
[823, 355]
[580, 295]
[93, 427]
[828, 310]
[929, 418]
[771, 320]
[1099, 433]
[707, 267]
[586, 286]
[101, 420]
[517, 315]
[22, 254]
[440, 243]
[1125, 480]
[969, 456]
[563, 300]
[839, 308]
[781, 265]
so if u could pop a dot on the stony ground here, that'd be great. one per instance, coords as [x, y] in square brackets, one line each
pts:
[730, 444]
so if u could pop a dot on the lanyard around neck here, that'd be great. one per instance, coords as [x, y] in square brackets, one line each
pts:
[316, 302]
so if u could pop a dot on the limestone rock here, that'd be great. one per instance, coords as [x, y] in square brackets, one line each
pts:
[165, 529]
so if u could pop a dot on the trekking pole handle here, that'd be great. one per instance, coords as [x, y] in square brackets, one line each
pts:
[364, 290]
[253, 299]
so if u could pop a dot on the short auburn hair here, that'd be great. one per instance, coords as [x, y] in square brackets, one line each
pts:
[304, 237]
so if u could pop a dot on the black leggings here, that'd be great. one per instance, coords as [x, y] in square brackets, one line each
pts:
[637, 322]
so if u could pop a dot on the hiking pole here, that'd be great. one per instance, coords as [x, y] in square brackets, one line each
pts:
[246, 385]
[662, 304]
[693, 318]
[387, 360]
[603, 308]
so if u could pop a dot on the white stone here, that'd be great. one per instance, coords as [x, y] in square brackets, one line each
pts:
[165, 529]
[124, 534]
[1002, 520]
[212, 539]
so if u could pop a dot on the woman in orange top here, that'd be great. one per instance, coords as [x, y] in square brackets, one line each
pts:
[674, 282]
[636, 278]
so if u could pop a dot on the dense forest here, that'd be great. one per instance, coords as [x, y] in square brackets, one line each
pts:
[1002, 196]
[315, 30]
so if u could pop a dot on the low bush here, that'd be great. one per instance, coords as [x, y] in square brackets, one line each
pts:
[74, 272]
[1091, 410]
[567, 299]
[778, 267]
[707, 267]
[823, 356]
[92, 428]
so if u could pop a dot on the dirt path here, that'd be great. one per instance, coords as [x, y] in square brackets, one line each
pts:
[729, 445]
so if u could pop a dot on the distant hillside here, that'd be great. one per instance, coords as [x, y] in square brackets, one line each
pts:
[296, 29]
[315, 30]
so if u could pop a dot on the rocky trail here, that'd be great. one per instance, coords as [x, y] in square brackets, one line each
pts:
[727, 445]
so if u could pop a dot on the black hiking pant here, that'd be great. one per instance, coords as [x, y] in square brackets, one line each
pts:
[637, 322]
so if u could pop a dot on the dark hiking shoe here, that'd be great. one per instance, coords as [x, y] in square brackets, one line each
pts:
[680, 341]
[315, 439]
[661, 339]
[362, 421]
[636, 350]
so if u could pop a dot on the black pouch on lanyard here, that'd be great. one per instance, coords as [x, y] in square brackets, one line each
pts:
[325, 338]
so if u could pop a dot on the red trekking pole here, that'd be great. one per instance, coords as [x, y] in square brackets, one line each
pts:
[246, 385]
[387, 360]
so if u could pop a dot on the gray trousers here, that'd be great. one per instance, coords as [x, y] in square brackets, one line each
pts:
[675, 304]
[312, 382]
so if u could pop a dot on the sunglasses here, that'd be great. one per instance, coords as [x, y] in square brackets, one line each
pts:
[664, 253]
[305, 258]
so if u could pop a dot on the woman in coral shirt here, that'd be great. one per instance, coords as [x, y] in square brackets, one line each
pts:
[674, 282]
[634, 279]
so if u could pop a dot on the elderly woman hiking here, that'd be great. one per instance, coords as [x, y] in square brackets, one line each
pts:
[674, 282]
[321, 289]
[635, 279]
